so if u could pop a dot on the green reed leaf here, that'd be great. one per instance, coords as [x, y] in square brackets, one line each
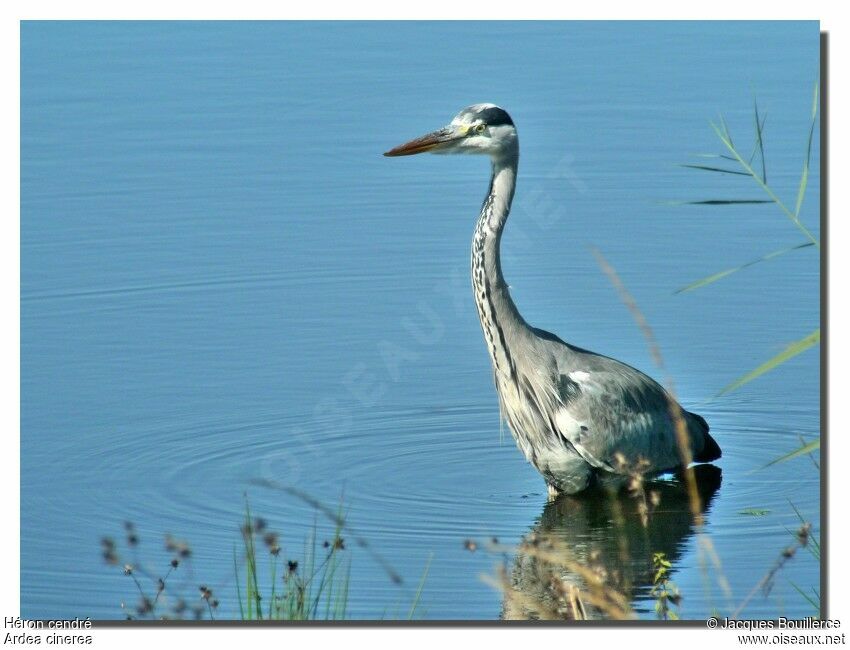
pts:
[791, 351]
[714, 277]
[804, 177]
[754, 512]
[808, 448]
[708, 168]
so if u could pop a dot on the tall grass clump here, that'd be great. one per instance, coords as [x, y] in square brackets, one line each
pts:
[163, 592]
[732, 160]
[270, 585]
[311, 584]
[313, 587]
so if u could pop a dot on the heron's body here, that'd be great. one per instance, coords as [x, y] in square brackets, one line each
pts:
[576, 415]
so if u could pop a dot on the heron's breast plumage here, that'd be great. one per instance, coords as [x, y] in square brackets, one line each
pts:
[494, 334]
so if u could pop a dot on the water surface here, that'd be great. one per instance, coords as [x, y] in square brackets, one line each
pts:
[223, 282]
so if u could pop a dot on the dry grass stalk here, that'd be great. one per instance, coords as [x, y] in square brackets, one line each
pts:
[704, 542]
[569, 601]
[676, 415]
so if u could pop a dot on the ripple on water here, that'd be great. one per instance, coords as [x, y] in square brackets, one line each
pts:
[411, 480]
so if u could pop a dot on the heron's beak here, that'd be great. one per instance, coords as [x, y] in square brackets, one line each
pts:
[435, 140]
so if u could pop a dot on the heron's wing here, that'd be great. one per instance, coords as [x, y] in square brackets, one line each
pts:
[616, 417]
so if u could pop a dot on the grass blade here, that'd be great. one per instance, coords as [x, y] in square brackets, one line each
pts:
[727, 142]
[416, 598]
[714, 169]
[720, 202]
[722, 274]
[804, 177]
[760, 141]
[714, 155]
[726, 134]
[811, 601]
[791, 351]
[814, 544]
[340, 598]
[252, 585]
[808, 448]
[238, 591]
[754, 512]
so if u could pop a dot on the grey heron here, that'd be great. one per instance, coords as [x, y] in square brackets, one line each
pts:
[579, 417]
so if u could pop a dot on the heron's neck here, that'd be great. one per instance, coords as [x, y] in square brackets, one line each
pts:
[500, 320]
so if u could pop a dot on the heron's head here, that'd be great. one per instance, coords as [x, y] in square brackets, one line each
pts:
[480, 128]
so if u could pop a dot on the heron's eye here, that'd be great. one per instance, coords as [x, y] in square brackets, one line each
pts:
[480, 128]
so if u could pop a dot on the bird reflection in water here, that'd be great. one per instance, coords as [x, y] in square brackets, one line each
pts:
[590, 556]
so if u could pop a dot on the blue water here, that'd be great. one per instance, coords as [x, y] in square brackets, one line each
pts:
[223, 282]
